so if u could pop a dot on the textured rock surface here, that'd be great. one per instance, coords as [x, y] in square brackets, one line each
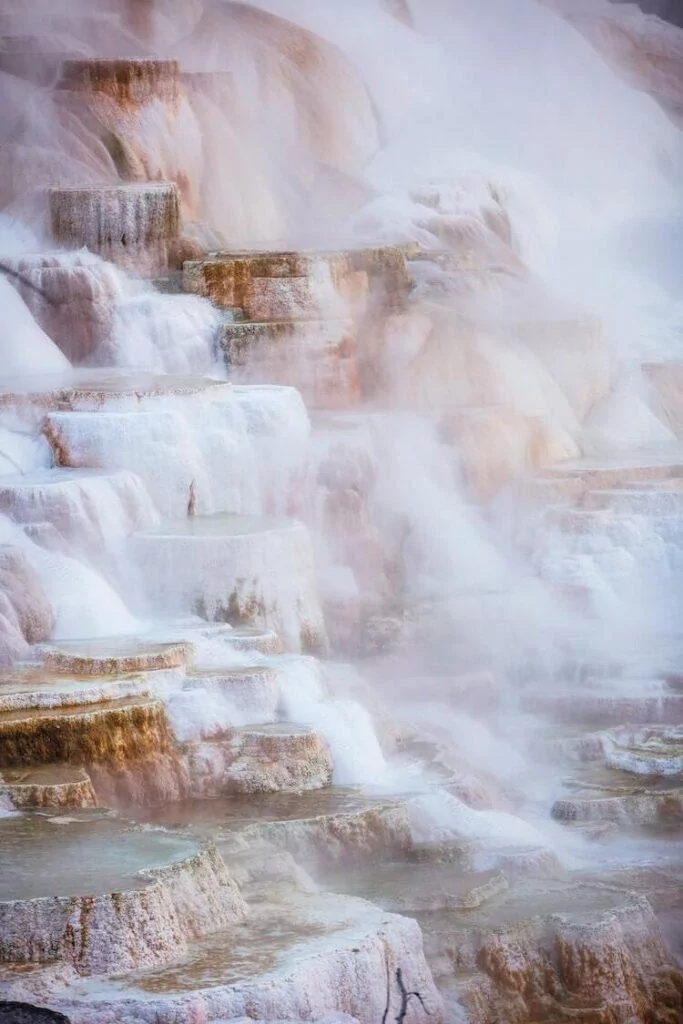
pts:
[285, 286]
[198, 443]
[133, 226]
[598, 964]
[337, 836]
[267, 759]
[26, 615]
[317, 357]
[304, 957]
[30, 687]
[253, 691]
[237, 570]
[126, 746]
[115, 732]
[315, 827]
[71, 296]
[148, 924]
[140, 113]
[87, 510]
[114, 657]
[54, 786]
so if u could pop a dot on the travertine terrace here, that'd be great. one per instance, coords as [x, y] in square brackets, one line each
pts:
[339, 676]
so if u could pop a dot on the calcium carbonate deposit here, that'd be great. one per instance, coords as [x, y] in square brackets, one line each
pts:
[341, 512]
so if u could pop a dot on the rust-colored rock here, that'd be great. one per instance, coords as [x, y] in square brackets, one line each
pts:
[114, 732]
[590, 964]
[132, 225]
[51, 786]
[126, 746]
[281, 285]
[319, 358]
[129, 82]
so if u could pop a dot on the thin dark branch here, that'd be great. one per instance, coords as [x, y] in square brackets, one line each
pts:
[421, 1001]
[386, 1008]
[406, 996]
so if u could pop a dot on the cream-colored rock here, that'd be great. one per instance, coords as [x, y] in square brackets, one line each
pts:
[52, 786]
[318, 357]
[26, 615]
[71, 296]
[88, 510]
[323, 828]
[260, 759]
[238, 570]
[200, 445]
[335, 956]
[115, 657]
[253, 691]
[148, 921]
[30, 686]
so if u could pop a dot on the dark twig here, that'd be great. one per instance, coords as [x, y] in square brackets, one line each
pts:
[386, 1008]
[406, 996]
[192, 500]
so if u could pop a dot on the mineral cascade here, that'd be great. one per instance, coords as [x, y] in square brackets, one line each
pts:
[341, 512]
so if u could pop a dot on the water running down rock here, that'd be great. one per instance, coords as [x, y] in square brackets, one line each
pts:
[341, 515]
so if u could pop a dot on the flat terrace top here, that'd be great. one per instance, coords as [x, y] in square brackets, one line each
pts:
[236, 811]
[47, 775]
[42, 479]
[75, 387]
[127, 186]
[597, 781]
[220, 525]
[646, 458]
[114, 647]
[234, 673]
[114, 655]
[41, 688]
[24, 717]
[528, 899]
[275, 253]
[84, 855]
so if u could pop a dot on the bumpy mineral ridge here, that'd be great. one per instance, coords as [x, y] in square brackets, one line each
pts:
[339, 679]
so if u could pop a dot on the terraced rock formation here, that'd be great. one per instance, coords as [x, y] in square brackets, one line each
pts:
[207, 813]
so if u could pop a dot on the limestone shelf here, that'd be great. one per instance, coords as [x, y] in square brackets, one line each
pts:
[236, 569]
[278, 958]
[137, 898]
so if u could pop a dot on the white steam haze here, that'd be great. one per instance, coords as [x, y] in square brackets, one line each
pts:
[491, 126]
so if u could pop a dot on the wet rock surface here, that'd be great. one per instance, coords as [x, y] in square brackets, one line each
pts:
[480, 818]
